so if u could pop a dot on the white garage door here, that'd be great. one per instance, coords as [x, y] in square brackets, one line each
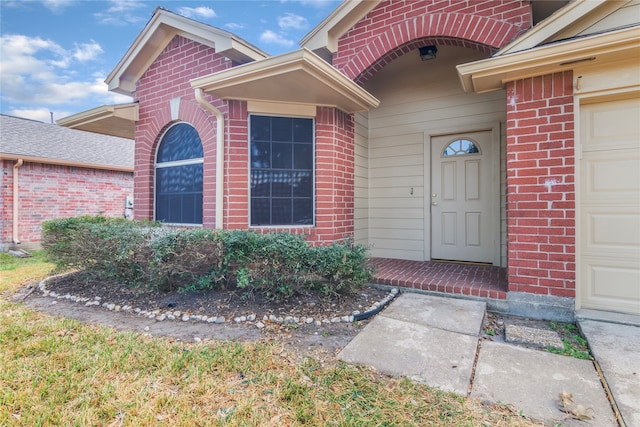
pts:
[609, 207]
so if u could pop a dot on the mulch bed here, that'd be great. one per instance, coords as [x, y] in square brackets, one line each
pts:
[227, 303]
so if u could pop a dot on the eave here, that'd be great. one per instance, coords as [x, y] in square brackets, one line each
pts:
[492, 73]
[298, 77]
[115, 120]
[155, 36]
[64, 162]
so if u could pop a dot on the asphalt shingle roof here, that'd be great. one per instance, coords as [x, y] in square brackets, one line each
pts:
[30, 138]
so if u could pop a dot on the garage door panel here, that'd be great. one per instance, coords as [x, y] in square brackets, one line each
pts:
[612, 285]
[610, 125]
[612, 231]
[609, 206]
[608, 175]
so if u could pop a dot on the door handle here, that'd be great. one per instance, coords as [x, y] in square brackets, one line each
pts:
[434, 203]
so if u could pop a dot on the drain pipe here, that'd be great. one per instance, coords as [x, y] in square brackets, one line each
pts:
[219, 155]
[16, 201]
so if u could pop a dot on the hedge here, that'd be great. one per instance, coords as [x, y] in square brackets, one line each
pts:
[151, 255]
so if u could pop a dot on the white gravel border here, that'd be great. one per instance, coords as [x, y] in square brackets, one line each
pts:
[177, 315]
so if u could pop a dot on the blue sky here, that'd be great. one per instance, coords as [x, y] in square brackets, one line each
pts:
[55, 54]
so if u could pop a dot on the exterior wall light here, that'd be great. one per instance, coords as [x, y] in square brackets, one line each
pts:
[428, 52]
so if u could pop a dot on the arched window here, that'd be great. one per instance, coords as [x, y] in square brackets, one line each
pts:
[460, 147]
[179, 165]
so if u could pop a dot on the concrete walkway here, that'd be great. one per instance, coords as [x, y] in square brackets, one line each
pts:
[435, 340]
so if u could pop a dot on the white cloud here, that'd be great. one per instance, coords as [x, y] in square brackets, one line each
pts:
[40, 114]
[197, 12]
[57, 5]
[39, 73]
[234, 26]
[269, 37]
[291, 20]
[87, 51]
[121, 12]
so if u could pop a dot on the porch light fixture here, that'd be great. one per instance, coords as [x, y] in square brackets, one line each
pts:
[428, 52]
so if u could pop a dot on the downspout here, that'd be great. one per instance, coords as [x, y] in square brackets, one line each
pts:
[219, 155]
[16, 201]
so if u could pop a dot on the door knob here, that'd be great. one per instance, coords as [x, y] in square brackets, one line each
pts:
[434, 203]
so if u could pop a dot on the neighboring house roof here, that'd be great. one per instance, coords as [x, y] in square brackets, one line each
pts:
[156, 35]
[39, 142]
[594, 32]
[115, 120]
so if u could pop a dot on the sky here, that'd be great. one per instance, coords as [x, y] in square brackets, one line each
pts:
[56, 54]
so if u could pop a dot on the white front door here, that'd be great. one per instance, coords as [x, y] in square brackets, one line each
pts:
[609, 208]
[463, 225]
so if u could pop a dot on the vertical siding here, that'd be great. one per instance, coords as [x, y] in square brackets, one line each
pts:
[361, 178]
[418, 99]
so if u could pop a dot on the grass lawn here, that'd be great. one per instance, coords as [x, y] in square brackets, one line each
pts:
[55, 372]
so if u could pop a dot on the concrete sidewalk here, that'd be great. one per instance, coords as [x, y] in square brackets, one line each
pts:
[435, 340]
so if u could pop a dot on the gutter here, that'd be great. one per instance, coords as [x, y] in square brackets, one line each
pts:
[219, 155]
[16, 200]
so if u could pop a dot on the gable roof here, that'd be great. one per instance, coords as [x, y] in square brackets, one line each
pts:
[159, 31]
[594, 32]
[298, 77]
[40, 142]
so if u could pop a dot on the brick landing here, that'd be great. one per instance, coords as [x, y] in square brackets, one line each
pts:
[483, 281]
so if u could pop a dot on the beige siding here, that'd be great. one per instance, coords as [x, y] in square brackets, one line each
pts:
[419, 99]
[361, 202]
[627, 14]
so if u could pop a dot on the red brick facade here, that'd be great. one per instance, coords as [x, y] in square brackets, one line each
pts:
[396, 27]
[55, 191]
[168, 78]
[539, 127]
[541, 186]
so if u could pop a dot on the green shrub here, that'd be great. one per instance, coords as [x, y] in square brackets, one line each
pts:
[191, 259]
[148, 254]
[343, 266]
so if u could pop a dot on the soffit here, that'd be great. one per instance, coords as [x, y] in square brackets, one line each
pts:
[493, 73]
[155, 36]
[299, 77]
[115, 120]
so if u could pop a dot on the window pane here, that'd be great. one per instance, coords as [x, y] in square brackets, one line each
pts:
[260, 183]
[281, 184]
[460, 147]
[302, 183]
[179, 194]
[303, 211]
[281, 156]
[303, 156]
[303, 130]
[260, 211]
[261, 155]
[181, 142]
[282, 129]
[281, 212]
[260, 128]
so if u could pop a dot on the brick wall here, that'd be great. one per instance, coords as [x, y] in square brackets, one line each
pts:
[168, 78]
[540, 185]
[396, 27]
[54, 191]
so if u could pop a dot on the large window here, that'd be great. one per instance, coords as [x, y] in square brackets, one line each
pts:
[179, 176]
[281, 171]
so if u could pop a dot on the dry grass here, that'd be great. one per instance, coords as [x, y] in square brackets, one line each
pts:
[62, 372]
